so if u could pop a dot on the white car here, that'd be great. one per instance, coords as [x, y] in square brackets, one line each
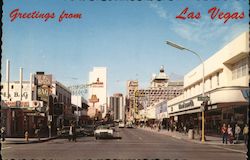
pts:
[121, 125]
[103, 132]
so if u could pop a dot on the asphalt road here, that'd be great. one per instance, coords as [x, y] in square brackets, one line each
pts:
[134, 144]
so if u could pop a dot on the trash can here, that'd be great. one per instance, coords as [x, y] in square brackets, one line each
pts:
[190, 134]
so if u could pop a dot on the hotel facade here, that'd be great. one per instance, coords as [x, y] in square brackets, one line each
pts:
[226, 85]
[146, 104]
[97, 92]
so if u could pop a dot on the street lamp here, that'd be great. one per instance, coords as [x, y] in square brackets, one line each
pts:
[203, 82]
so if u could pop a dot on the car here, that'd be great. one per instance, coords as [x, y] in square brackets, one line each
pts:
[64, 132]
[129, 125]
[103, 131]
[88, 130]
[121, 125]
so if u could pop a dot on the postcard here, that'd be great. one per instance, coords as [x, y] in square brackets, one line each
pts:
[125, 79]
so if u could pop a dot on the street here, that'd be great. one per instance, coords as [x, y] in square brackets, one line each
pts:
[134, 144]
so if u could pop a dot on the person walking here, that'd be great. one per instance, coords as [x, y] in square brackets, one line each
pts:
[237, 132]
[224, 133]
[230, 134]
[71, 132]
[37, 133]
[245, 133]
[159, 127]
[3, 133]
[74, 132]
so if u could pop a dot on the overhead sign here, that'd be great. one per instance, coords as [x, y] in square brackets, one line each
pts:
[43, 79]
[97, 84]
[17, 104]
[245, 93]
[93, 99]
[132, 83]
[186, 104]
[204, 99]
[43, 93]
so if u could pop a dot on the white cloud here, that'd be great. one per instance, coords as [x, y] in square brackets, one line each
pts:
[203, 30]
[159, 10]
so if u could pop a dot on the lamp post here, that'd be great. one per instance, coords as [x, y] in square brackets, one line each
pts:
[203, 82]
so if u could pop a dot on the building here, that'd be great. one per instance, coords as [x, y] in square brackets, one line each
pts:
[41, 105]
[160, 89]
[97, 91]
[226, 84]
[60, 104]
[117, 107]
[80, 108]
[132, 87]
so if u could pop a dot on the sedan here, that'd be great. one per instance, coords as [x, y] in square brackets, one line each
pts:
[103, 132]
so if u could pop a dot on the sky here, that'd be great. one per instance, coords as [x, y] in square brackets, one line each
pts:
[127, 37]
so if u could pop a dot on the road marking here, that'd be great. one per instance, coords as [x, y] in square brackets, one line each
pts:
[229, 149]
[6, 147]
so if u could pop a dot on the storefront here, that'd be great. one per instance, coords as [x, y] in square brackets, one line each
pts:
[228, 113]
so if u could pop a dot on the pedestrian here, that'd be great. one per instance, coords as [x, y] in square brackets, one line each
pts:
[245, 133]
[0, 151]
[159, 127]
[185, 129]
[230, 134]
[237, 132]
[3, 132]
[224, 133]
[71, 132]
[74, 132]
[37, 133]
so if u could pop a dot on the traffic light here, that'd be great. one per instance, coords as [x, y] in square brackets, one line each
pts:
[204, 104]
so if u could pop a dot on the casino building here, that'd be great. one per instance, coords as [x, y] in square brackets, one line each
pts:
[161, 89]
[226, 84]
[37, 103]
[97, 93]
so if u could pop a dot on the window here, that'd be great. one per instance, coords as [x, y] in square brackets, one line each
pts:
[12, 86]
[239, 69]
[210, 80]
[218, 78]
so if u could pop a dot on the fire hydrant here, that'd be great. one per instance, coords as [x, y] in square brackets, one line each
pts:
[26, 135]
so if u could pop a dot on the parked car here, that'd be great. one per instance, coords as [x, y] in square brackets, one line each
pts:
[88, 130]
[121, 125]
[64, 132]
[103, 131]
[130, 125]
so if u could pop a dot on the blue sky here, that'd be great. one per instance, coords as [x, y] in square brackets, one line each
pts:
[125, 36]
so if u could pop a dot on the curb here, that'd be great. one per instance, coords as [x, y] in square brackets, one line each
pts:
[30, 142]
[206, 143]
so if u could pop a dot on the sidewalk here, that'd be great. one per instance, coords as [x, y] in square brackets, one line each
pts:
[23, 141]
[215, 141]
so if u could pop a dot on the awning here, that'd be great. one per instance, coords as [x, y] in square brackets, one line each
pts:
[196, 110]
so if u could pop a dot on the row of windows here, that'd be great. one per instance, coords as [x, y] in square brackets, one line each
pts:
[11, 87]
[211, 82]
[239, 69]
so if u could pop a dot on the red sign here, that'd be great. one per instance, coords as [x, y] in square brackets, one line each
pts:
[97, 83]
[17, 104]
